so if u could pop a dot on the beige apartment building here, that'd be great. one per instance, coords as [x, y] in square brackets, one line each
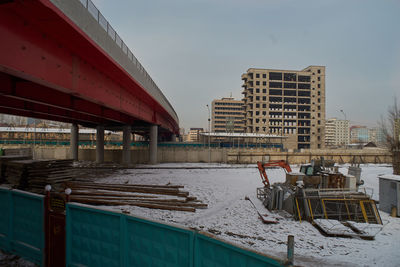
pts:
[194, 135]
[227, 115]
[286, 102]
[337, 132]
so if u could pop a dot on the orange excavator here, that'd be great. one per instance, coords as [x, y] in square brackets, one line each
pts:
[275, 163]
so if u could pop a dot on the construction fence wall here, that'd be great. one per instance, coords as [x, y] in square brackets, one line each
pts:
[98, 237]
[22, 224]
[140, 155]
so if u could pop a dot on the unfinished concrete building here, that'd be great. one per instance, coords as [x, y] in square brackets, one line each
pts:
[227, 115]
[286, 102]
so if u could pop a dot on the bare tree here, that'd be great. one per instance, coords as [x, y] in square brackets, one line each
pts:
[390, 128]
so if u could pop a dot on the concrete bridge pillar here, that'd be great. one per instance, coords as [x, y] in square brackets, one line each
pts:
[100, 144]
[126, 142]
[153, 143]
[74, 141]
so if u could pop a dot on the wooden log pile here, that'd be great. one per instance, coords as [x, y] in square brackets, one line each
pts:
[34, 175]
[165, 197]
[3, 164]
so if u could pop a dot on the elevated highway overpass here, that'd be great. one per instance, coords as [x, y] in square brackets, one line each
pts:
[62, 60]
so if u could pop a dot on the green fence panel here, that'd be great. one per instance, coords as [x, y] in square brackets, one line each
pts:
[5, 207]
[103, 238]
[22, 226]
[210, 252]
[155, 244]
[93, 237]
[28, 226]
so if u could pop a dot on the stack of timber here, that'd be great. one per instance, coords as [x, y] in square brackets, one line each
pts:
[165, 197]
[34, 175]
[3, 164]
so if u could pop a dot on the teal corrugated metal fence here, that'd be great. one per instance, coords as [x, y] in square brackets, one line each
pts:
[102, 238]
[22, 224]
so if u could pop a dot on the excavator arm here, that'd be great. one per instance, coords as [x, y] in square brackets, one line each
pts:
[277, 163]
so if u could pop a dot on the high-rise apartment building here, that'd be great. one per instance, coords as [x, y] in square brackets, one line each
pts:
[227, 115]
[337, 132]
[286, 102]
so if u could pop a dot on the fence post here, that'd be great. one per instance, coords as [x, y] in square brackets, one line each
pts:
[123, 235]
[11, 219]
[290, 250]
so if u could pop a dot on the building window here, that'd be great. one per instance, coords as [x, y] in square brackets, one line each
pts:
[264, 113]
[264, 98]
[257, 90]
[319, 92]
[264, 105]
[257, 83]
[257, 105]
[257, 113]
[319, 122]
[319, 145]
[319, 78]
[257, 98]
[319, 71]
[275, 85]
[302, 78]
[319, 85]
[319, 100]
[319, 115]
[264, 76]
[275, 76]
[319, 130]
[264, 91]
[319, 107]
[290, 77]
[265, 83]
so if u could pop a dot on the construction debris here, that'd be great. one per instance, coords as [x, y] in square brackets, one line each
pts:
[263, 217]
[322, 195]
[165, 197]
[347, 228]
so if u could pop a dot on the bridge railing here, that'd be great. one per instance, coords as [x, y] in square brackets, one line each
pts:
[93, 10]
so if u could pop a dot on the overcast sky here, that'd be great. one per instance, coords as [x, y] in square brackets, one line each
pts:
[196, 50]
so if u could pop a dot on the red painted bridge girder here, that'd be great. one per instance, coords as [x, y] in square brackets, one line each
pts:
[49, 68]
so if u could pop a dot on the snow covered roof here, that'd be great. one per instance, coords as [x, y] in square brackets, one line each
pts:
[247, 135]
[390, 177]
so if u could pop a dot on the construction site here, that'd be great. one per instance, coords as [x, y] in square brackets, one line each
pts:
[331, 209]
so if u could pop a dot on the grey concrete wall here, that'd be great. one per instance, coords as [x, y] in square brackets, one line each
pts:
[74, 10]
[221, 155]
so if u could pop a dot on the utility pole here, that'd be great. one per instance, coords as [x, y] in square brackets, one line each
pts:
[209, 134]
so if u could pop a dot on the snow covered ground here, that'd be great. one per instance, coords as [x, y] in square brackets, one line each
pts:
[230, 217]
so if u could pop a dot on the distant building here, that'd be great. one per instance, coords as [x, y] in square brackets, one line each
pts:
[359, 134]
[376, 136]
[13, 120]
[227, 115]
[194, 134]
[337, 132]
[286, 102]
